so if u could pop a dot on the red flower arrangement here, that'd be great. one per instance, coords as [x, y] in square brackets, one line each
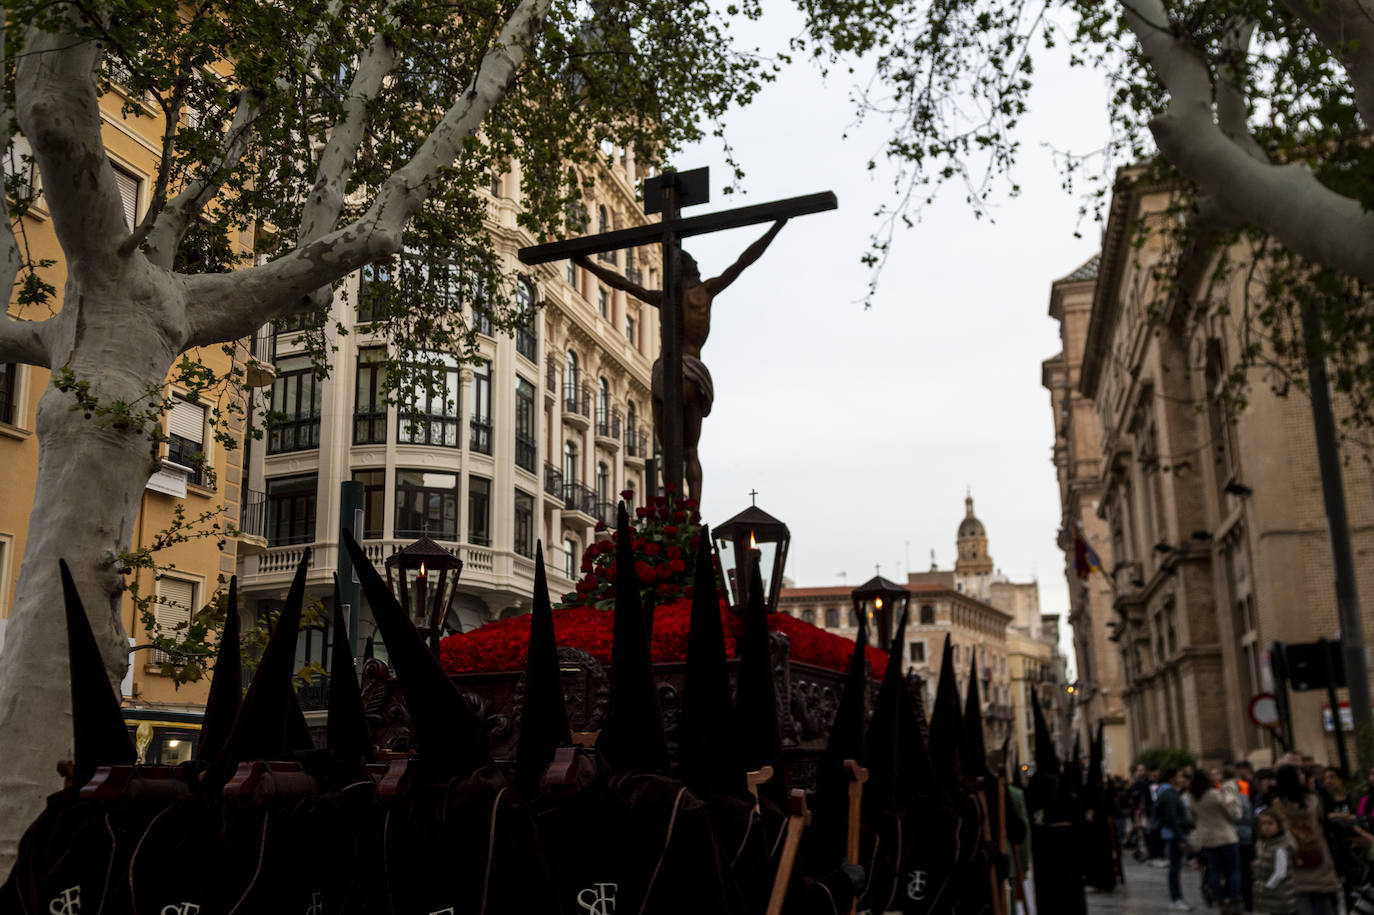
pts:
[503, 645]
[664, 541]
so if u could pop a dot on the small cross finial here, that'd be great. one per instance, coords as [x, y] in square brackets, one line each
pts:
[877, 568]
[753, 497]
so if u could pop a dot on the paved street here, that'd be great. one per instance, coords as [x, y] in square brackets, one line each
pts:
[1146, 892]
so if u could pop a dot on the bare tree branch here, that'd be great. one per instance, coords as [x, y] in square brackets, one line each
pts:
[59, 114]
[1232, 111]
[231, 305]
[326, 200]
[166, 233]
[1348, 30]
[1287, 201]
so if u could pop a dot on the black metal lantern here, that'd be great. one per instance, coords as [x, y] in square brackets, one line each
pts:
[419, 577]
[881, 602]
[752, 534]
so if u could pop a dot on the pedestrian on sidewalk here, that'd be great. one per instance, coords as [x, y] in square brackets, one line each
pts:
[1174, 826]
[1314, 875]
[1214, 814]
[1273, 875]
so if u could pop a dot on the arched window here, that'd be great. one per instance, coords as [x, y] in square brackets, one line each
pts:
[527, 334]
[603, 484]
[927, 615]
[809, 615]
[603, 404]
[570, 558]
[569, 463]
[632, 442]
[570, 372]
[604, 220]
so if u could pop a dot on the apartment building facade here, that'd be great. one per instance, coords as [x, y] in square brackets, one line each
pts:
[1099, 692]
[534, 442]
[1214, 516]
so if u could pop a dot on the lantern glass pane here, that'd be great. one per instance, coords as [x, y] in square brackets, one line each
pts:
[728, 563]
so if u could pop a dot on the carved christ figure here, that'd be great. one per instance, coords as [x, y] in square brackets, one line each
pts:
[697, 297]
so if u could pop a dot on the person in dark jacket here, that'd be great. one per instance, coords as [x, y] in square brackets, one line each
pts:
[1174, 826]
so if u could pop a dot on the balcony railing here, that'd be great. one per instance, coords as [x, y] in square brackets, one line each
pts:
[577, 399]
[314, 696]
[253, 513]
[605, 512]
[608, 423]
[637, 441]
[579, 498]
[553, 480]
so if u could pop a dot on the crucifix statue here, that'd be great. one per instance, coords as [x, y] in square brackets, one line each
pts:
[682, 390]
[697, 296]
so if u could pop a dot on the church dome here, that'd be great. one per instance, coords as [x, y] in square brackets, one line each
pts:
[971, 527]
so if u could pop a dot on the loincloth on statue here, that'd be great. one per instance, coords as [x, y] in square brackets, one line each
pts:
[693, 370]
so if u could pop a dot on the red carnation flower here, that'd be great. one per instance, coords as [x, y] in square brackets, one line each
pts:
[665, 571]
[677, 565]
[651, 549]
[674, 552]
[670, 531]
[644, 571]
[679, 517]
[671, 487]
[667, 589]
[627, 494]
[641, 511]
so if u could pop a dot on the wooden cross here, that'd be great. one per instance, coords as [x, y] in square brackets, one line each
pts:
[668, 193]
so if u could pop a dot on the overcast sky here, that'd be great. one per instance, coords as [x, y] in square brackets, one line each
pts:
[862, 428]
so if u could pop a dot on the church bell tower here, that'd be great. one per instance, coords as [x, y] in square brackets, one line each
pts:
[972, 544]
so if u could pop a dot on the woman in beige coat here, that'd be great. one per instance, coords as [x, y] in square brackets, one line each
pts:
[1214, 834]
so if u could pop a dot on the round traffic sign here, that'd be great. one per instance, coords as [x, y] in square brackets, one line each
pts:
[1264, 710]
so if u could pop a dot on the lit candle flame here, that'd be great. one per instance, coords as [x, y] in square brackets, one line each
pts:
[422, 570]
[753, 544]
[878, 602]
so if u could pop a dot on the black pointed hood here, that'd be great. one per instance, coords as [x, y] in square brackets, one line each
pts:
[973, 756]
[847, 733]
[884, 748]
[544, 719]
[707, 750]
[756, 699]
[1073, 767]
[945, 724]
[100, 736]
[1046, 759]
[264, 728]
[633, 740]
[453, 741]
[1094, 777]
[226, 686]
[346, 732]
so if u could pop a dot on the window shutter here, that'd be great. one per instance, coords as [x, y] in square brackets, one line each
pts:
[176, 597]
[187, 420]
[128, 195]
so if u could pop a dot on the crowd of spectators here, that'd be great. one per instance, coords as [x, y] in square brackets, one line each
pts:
[1294, 839]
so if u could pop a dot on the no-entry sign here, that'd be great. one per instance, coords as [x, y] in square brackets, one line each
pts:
[1264, 710]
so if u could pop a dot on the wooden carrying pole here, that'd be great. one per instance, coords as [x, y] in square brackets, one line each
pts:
[857, 776]
[993, 882]
[799, 820]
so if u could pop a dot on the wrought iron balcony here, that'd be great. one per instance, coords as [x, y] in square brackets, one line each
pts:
[253, 513]
[480, 437]
[579, 498]
[608, 423]
[577, 402]
[553, 480]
